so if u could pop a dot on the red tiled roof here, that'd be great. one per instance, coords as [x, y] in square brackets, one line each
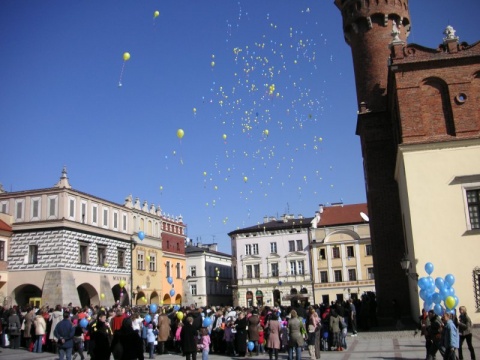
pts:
[342, 215]
[4, 226]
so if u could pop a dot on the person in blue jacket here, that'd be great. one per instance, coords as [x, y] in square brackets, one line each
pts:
[64, 332]
[451, 339]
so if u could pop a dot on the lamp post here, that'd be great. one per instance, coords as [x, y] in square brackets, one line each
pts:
[405, 264]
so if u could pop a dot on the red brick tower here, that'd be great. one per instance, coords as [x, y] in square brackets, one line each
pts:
[369, 27]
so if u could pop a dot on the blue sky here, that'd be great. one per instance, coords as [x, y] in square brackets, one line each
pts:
[274, 77]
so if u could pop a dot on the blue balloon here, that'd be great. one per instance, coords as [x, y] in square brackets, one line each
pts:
[206, 322]
[439, 283]
[172, 292]
[423, 294]
[427, 307]
[84, 323]
[423, 283]
[436, 298]
[449, 280]
[251, 345]
[457, 300]
[148, 318]
[438, 309]
[141, 235]
[170, 280]
[428, 268]
[153, 308]
[280, 283]
[176, 307]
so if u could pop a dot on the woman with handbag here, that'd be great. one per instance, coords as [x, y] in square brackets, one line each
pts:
[296, 338]
[273, 337]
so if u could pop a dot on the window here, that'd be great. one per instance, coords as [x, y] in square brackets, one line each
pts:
[19, 210]
[83, 254]
[249, 272]
[140, 261]
[152, 264]
[101, 255]
[4, 207]
[368, 249]
[179, 274]
[336, 252]
[105, 217]
[323, 277]
[248, 249]
[301, 267]
[193, 271]
[321, 254]
[299, 245]
[256, 269]
[84, 211]
[370, 274]
[121, 258]
[71, 213]
[33, 254]
[338, 275]
[291, 245]
[167, 268]
[124, 225]
[255, 249]
[293, 268]
[352, 275]
[35, 209]
[193, 289]
[115, 220]
[94, 214]
[52, 207]
[2, 250]
[350, 252]
[273, 247]
[473, 201]
[274, 267]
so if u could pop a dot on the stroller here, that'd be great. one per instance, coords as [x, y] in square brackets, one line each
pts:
[324, 341]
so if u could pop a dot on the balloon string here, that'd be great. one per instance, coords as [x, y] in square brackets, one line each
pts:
[121, 75]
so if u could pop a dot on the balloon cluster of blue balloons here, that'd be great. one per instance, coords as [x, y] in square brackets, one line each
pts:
[433, 299]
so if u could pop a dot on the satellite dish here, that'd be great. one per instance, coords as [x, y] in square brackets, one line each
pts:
[364, 216]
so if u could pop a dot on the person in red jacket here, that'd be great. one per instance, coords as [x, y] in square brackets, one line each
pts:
[116, 322]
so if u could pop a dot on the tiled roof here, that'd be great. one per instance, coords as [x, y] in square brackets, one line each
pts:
[4, 226]
[331, 216]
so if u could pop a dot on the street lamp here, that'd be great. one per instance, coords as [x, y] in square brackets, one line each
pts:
[405, 264]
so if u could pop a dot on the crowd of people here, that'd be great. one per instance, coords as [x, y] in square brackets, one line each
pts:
[136, 332]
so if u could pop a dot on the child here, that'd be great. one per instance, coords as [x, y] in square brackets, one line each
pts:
[343, 332]
[204, 343]
[177, 339]
[261, 340]
[151, 334]
[283, 335]
[229, 337]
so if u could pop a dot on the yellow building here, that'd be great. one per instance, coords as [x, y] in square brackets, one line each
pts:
[341, 253]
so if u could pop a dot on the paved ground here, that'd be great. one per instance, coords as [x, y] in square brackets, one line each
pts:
[386, 345]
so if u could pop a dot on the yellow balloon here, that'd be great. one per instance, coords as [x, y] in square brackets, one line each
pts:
[102, 296]
[180, 133]
[148, 257]
[106, 264]
[212, 63]
[204, 173]
[179, 315]
[266, 132]
[245, 178]
[224, 136]
[450, 302]
[122, 283]
[156, 13]
[126, 56]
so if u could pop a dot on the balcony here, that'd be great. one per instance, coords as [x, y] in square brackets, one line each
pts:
[272, 280]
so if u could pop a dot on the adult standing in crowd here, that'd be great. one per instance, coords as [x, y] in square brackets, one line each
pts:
[273, 340]
[353, 316]
[241, 334]
[64, 332]
[27, 331]
[163, 332]
[100, 338]
[14, 331]
[126, 343]
[253, 336]
[40, 329]
[295, 336]
[54, 318]
[451, 338]
[187, 339]
[465, 328]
